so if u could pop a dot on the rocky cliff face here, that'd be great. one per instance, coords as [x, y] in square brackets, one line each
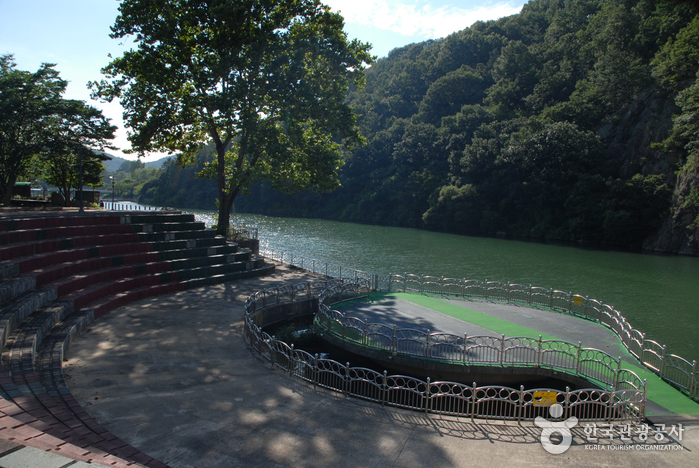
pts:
[679, 232]
[632, 138]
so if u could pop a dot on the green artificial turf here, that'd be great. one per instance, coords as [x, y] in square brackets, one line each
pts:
[659, 391]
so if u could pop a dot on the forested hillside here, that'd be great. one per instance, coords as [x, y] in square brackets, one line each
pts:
[181, 187]
[574, 120]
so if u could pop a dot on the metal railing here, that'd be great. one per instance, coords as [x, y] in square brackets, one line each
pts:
[127, 206]
[245, 231]
[672, 368]
[314, 266]
[452, 398]
[570, 358]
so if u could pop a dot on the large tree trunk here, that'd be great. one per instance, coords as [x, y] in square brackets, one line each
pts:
[224, 212]
[65, 191]
[8, 190]
[224, 204]
[225, 207]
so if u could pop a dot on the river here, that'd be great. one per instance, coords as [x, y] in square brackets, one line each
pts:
[658, 294]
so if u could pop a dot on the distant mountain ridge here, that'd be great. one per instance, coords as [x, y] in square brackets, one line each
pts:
[115, 163]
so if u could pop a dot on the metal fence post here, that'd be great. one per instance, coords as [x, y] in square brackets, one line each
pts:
[692, 378]
[577, 364]
[426, 396]
[427, 344]
[570, 302]
[272, 354]
[618, 374]
[509, 292]
[384, 390]
[502, 349]
[662, 362]
[538, 354]
[551, 299]
[290, 360]
[529, 295]
[465, 351]
[566, 415]
[347, 380]
[315, 370]
[610, 405]
[520, 403]
[473, 401]
[394, 343]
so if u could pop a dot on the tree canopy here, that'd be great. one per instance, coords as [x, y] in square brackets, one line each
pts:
[71, 147]
[43, 133]
[265, 82]
[26, 100]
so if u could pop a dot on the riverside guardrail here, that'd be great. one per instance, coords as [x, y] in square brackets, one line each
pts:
[245, 231]
[670, 367]
[451, 398]
[127, 206]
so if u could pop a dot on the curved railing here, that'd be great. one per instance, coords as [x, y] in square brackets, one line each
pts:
[672, 368]
[570, 358]
[494, 402]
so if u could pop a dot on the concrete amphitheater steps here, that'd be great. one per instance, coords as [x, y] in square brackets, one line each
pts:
[57, 275]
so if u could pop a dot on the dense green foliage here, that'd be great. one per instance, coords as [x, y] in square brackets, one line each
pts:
[505, 127]
[43, 135]
[182, 187]
[129, 179]
[264, 81]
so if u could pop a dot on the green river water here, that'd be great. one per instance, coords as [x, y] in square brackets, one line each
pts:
[658, 294]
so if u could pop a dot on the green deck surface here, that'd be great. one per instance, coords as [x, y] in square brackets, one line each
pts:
[659, 391]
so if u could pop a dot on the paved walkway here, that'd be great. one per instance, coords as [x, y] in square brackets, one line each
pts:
[172, 376]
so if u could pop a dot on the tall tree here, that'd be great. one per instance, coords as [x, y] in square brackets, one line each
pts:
[264, 80]
[37, 124]
[70, 140]
[26, 101]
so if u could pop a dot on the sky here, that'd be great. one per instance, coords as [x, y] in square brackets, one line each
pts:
[74, 34]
